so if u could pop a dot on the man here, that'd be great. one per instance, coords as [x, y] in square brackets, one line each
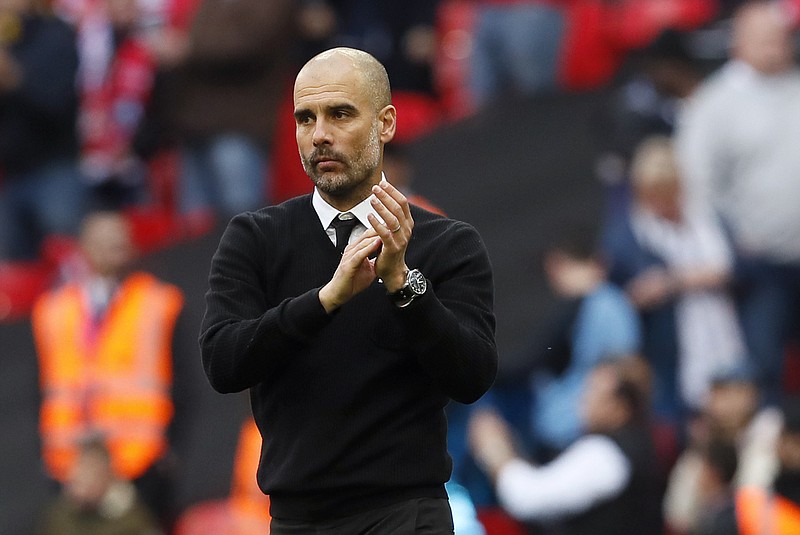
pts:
[605, 482]
[105, 348]
[737, 144]
[42, 192]
[350, 356]
[95, 500]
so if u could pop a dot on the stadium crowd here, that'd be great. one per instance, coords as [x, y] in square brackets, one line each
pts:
[658, 394]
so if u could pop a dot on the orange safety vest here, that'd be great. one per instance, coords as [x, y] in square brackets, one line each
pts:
[249, 507]
[759, 512]
[112, 376]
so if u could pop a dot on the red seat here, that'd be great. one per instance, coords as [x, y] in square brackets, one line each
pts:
[21, 283]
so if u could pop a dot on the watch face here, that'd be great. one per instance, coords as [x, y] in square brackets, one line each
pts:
[417, 282]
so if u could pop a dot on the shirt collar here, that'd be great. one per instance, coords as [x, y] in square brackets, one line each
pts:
[326, 212]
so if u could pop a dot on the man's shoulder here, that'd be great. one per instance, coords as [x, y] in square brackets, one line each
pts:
[296, 208]
[427, 221]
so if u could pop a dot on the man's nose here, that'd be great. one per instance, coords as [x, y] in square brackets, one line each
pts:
[322, 133]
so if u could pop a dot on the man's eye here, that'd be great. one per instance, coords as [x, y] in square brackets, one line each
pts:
[339, 114]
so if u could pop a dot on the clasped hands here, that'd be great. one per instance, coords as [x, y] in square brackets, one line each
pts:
[389, 239]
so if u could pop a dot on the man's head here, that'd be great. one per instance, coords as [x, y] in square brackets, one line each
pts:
[91, 476]
[106, 242]
[612, 398]
[762, 38]
[655, 179]
[733, 400]
[344, 116]
[572, 263]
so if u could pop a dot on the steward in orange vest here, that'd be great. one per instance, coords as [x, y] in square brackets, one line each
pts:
[105, 356]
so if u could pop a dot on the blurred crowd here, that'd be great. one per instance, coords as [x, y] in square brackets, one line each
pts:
[658, 397]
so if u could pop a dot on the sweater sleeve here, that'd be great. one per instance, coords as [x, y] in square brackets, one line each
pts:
[242, 335]
[452, 327]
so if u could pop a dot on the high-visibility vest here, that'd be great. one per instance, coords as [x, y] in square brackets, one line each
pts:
[760, 512]
[249, 507]
[111, 376]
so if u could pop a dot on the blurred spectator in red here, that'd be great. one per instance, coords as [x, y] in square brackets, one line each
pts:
[117, 73]
[605, 482]
[737, 144]
[542, 46]
[105, 349]
[675, 264]
[41, 191]
[231, 73]
[95, 501]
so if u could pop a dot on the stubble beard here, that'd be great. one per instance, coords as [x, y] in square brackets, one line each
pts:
[357, 172]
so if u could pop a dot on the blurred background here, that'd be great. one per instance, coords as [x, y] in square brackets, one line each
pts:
[631, 165]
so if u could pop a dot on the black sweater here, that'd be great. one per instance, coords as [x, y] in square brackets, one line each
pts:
[350, 405]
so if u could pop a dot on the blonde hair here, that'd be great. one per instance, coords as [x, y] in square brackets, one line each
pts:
[653, 163]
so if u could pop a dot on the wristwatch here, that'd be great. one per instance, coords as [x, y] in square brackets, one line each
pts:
[414, 287]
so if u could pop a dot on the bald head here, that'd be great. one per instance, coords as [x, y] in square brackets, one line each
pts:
[762, 38]
[373, 80]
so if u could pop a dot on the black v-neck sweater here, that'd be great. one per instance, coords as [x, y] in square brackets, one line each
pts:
[350, 405]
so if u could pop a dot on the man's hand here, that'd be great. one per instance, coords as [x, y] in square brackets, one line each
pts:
[355, 272]
[394, 232]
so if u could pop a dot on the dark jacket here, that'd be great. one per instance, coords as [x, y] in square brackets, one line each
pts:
[38, 119]
[351, 404]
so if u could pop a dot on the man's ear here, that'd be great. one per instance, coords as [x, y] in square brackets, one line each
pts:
[388, 119]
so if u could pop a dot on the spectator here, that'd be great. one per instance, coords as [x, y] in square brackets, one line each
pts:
[41, 190]
[539, 46]
[116, 81]
[737, 145]
[105, 357]
[777, 506]
[675, 264]
[647, 103]
[227, 89]
[95, 501]
[598, 322]
[603, 483]
[731, 414]
[399, 35]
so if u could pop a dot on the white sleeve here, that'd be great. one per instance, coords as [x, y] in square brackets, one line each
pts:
[593, 469]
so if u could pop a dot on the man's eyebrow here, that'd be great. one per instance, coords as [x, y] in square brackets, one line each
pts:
[302, 113]
[343, 107]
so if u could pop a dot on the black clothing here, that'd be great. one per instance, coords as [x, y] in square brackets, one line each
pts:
[38, 118]
[350, 405]
[637, 510]
[428, 516]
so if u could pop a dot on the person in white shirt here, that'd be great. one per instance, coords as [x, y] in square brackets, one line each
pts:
[737, 142]
[605, 482]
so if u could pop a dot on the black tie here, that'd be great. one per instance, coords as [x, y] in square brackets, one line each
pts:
[343, 224]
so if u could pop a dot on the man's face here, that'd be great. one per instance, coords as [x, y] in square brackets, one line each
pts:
[338, 130]
[764, 40]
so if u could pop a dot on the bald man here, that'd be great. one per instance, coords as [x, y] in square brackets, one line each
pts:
[353, 318]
